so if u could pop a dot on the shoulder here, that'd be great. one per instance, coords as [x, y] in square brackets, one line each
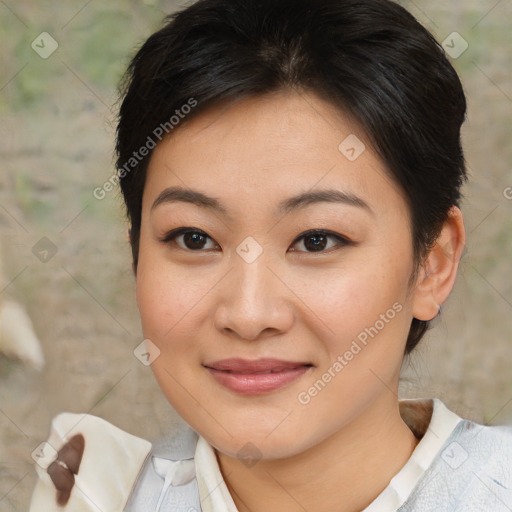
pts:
[98, 472]
[489, 447]
[471, 472]
[87, 464]
[489, 451]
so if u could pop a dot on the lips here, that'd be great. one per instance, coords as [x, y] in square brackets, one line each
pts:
[237, 365]
[258, 376]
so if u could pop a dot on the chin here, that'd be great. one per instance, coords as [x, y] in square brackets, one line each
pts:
[257, 443]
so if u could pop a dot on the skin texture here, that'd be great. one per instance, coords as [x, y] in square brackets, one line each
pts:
[348, 441]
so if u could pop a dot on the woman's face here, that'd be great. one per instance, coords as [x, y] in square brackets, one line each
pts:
[270, 330]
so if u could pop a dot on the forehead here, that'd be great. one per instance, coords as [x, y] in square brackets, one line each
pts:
[263, 149]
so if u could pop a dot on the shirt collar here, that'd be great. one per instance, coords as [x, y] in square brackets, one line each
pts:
[215, 497]
[213, 492]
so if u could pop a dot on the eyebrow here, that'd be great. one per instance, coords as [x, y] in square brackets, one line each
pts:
[179, 194]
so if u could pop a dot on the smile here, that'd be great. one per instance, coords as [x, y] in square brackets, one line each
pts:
[256, 377]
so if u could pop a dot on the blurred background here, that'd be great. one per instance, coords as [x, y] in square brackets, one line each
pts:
[65, 257]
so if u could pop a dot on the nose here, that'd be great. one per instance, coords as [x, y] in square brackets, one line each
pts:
[253, 302]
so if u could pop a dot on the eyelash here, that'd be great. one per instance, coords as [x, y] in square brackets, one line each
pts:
[341, 240]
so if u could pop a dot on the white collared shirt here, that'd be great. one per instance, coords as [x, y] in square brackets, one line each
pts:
[457, 466]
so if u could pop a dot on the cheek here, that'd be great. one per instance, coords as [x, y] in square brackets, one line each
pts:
[154, 299]
[366, 313]
[169, 302]
[169, 298]
[351, 299]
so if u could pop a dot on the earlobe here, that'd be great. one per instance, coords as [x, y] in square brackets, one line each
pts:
[439, 271]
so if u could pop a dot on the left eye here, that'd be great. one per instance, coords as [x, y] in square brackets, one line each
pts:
[317, 240]
[314, 240]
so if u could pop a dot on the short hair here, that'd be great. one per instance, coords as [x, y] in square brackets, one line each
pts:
[371, 59]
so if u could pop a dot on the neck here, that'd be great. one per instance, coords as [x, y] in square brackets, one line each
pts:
[349, 469]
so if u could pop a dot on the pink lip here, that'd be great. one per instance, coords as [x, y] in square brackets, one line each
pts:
[256, 377]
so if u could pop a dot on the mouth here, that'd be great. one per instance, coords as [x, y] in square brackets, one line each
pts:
[256, 377]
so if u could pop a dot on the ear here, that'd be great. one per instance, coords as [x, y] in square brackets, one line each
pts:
[437, 275]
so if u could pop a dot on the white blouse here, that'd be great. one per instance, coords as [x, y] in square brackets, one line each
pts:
[466, 467]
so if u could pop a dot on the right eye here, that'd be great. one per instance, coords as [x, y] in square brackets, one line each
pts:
[189, 239]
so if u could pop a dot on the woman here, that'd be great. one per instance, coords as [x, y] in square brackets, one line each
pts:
[292, 173]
